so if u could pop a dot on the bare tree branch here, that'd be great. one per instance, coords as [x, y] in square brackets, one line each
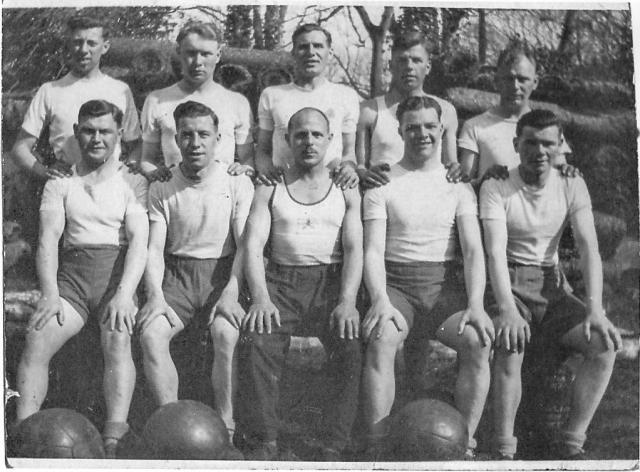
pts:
[366, 20]
[353, 24]
[355, 85]
[334, 12]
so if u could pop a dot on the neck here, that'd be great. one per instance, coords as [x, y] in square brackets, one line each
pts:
[89, 75]
[507, 110]
[189, 87]
[86, 167]
[398, 95]
[309, 82]
[534, 179]
[196, 175]
[419, 163]
[308, 173]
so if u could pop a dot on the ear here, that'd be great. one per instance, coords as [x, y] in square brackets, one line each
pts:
[330, 137]
[175, 138]
[286, 137]
[75, 129]
[106, 46]
[400, 132]
[535, 82]
[515, 144]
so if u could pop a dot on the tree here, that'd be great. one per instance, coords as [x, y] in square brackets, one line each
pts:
[239, 26]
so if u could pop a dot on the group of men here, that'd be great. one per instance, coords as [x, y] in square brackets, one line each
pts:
[182, 215]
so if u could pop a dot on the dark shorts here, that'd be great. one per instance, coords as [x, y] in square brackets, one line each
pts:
[305, 296]
[426, 293]
[88, 277]
[192, 286]
[544, 299]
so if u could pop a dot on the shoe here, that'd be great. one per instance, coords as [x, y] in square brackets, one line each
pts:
[469, 454]
[567, 453]
[111, 449]
[499, 456]
[233, 454]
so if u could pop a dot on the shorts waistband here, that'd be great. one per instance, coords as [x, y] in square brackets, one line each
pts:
[541, 268]
[420, 264]
[173, 257]
[336, 267]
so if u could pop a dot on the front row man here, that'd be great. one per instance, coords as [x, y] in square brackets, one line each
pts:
[409, 270]
[194, 266]
[314, 236]
[101, 213]
[523, 218]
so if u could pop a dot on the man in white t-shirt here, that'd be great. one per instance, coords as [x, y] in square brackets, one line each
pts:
[311, 51]
[101, 213]
[486, 141]
[199, 47]
[56, 103]
[313, 232]
[378, 144]
[194, 268]
[410, 273]
[524, 217]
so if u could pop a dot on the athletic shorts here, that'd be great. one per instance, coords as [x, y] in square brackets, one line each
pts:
[304, 295]
[88, 277]
[543, 298]
[192, 286]
[426, 293]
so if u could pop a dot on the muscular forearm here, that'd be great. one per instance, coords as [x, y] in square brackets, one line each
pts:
[154, 273]
[474, 276]
[591, 266]
[351, 275]
[47, 268]
[134, 265]
[375, 275]
[500, 282]
[255, 274]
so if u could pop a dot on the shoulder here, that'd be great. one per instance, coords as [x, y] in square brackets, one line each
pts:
[368, 110]
[170, 92]
[343, 92]
[240, 183]
[276, 90]
[114, 83]
[232, 96]
[59, 185]
[351, 195]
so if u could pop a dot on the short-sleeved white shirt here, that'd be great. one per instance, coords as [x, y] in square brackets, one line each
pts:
[535, 217]
[234, 119]
[278, 104]
[421, 210]
[491, 137]
[95, 214]
[56, 104]
[198, 215]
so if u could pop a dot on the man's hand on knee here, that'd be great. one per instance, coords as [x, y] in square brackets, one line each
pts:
[512, 331]
[47, 307]
[378, 316]
[480, 321]
[346, 320]
[259, 317]
[120, 313]
[598, 322]
[155, 307]
[229, 308]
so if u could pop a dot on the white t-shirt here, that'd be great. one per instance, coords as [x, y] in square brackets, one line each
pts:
[491, 137]
[278, 104]
[387, 146]
[234, 119]
[95, 213]
[56, 104]
[535, 217]
[305, 234]
[198, 215]
[420, 209]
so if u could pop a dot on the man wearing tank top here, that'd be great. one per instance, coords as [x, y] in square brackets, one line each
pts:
[378, 143]
[313, 234]
[486, 141]
[311, 51]
[411, 275]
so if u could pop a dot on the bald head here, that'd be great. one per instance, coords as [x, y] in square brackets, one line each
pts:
[303, 113]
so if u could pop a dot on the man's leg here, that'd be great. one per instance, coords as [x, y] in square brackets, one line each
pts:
[592, 378]
[474, 376]
[507, 392]
[159, 369]
[40, 347]
[224, 375]
[378, 380]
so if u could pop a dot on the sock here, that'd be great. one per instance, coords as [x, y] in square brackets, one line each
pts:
[506, 445]
[573, 441]
[114, 430]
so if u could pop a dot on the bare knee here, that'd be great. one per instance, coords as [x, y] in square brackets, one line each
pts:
[471, 350]
[224, 334]
[384, 348]
[507, 364]
[116, 345]
[155, 339]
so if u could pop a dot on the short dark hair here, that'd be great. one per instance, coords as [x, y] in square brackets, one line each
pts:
[83, 22]
[538, 119]
[193, 109]
[408, 39]
[516, 49]
[206, 30]
[306, 109]
[308, 28]
[418, 103]
[95, 108]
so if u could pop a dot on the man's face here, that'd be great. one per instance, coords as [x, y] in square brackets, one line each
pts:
[311, 53]
[309, 139]
[421, 131]
[198, 58]
[409, 67]
[97, 138]
[516, 82]
[86, 48]
[197, 138]
[537, 147]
